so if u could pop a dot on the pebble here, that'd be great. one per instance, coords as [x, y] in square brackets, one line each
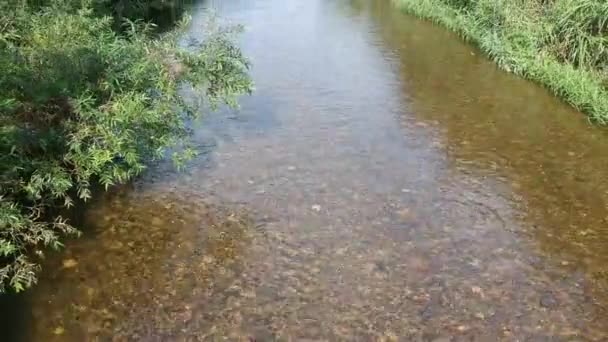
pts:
[59, 331]
[157, 221]
[116, 245]
[548, 300]
[442, 339]
[262, 334]
[427, 312]
[70, 263]
[405, 214]
[476, 290]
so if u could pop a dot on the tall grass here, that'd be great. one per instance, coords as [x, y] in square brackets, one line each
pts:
[561, 44]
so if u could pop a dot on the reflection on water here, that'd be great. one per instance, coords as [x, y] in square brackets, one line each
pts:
[384, 182]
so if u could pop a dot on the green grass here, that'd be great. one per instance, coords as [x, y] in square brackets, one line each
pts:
[561, 44]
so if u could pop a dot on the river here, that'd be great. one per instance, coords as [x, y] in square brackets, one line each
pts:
[384, 182]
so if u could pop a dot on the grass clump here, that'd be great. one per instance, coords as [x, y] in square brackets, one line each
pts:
[561, 44]
[81, 104]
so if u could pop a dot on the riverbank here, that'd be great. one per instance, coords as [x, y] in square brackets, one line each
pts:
[562, 45]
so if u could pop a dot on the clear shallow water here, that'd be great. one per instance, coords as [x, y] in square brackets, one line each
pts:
[383, 182]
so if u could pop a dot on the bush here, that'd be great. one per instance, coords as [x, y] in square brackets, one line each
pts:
[80, 105]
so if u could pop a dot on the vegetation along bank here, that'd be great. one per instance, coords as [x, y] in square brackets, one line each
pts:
[561, 44]
[84, 103]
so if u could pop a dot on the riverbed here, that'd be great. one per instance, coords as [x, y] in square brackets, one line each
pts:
[385, 181]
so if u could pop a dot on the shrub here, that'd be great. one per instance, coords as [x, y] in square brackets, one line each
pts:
[81, 104]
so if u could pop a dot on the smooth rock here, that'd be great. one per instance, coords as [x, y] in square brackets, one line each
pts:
[70, 263]
[548, 300]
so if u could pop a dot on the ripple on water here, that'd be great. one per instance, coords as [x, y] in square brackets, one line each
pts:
[151, 259]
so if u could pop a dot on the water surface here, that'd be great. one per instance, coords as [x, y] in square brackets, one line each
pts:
[385, 181]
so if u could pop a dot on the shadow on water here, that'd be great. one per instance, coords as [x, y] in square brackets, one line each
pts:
[163, 13]
[13, 317]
